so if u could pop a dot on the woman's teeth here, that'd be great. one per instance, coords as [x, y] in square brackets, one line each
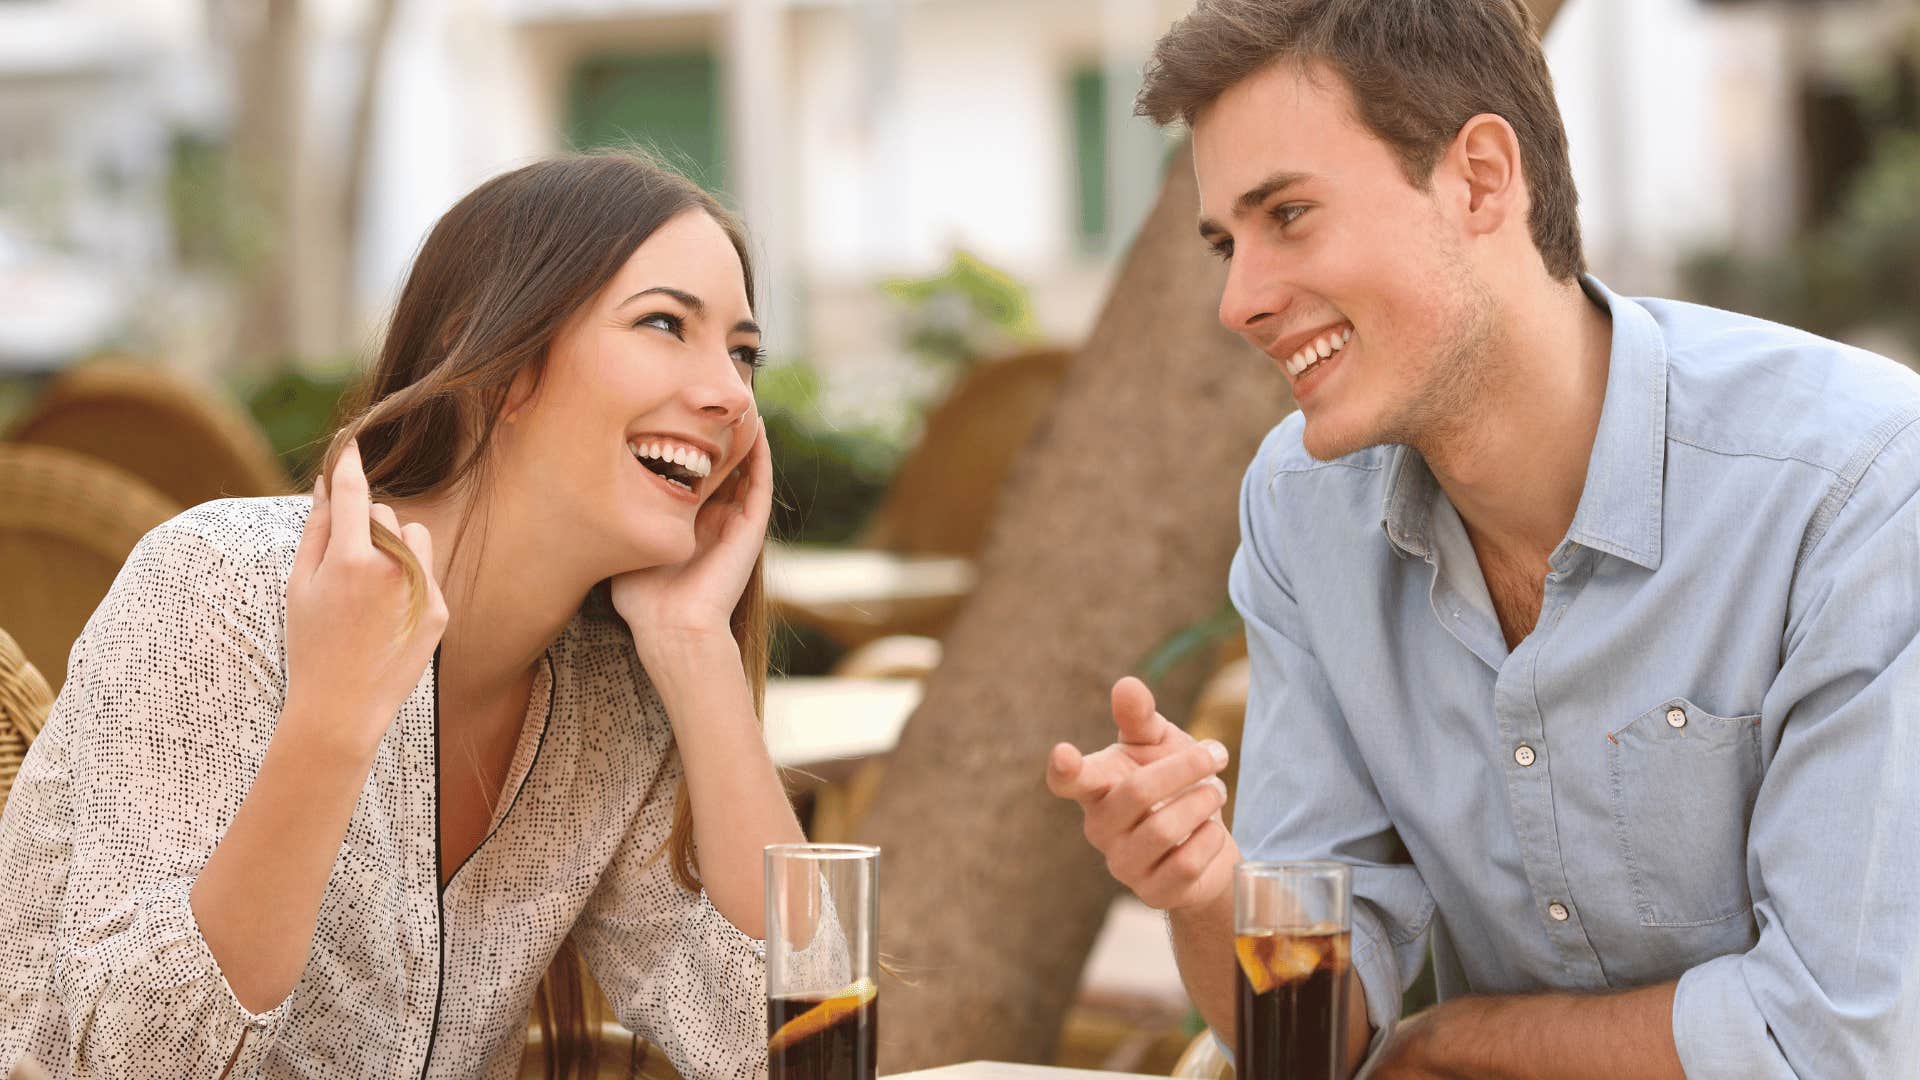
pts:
[1318, 349]
[672, 462]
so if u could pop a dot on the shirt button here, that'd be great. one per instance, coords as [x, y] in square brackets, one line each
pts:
[1524, 755]
[1558, 911]
[1676, 717]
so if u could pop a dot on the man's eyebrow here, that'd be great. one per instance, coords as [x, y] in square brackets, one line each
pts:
[697, 305]
[1251, 200]
[1265, 189]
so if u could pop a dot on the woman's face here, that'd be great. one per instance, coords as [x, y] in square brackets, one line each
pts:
[647, 404]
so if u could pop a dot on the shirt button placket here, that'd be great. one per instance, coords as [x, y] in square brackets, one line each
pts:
[1523, 754]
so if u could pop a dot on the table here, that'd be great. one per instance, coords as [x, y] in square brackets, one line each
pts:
[1001, 1070]
[856, 596]
[826, 725]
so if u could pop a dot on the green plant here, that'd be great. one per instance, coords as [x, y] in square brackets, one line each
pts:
[968, 310]
[298, 409]
[827, 479]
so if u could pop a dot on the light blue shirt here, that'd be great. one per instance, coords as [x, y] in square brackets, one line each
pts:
[1703, 763]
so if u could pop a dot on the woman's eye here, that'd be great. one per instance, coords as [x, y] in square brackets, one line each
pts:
[751, 355]
[661, 320]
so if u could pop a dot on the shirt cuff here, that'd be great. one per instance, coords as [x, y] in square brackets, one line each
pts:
[1378, 969]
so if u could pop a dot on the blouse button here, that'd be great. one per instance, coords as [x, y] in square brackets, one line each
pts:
[1676, 717]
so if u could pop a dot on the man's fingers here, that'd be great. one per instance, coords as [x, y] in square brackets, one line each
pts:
[347, 502]
[1066, 773]
[1154, 839]
[1191, 868]
[1151, 785]
[1133, 713]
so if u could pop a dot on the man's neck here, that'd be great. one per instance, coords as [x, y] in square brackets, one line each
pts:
[1515, 471]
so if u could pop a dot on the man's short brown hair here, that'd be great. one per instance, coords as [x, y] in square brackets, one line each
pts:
[1418, 71]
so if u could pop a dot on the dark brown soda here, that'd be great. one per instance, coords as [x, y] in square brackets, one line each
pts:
[842, 1050]
[1294, 1029]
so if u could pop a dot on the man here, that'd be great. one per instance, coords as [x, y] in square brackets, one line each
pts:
[1583, 628]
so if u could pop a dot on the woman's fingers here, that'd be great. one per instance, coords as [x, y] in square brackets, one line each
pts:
[347, 503]
[313, 537]
[384, 514]
[757, 498]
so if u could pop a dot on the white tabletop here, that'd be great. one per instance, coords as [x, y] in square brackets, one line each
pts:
[1002, 1070]
[815, 720]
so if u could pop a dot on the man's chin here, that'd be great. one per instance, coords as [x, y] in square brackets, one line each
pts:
[1326, 439]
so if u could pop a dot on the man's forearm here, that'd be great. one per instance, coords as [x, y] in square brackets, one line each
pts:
[1528, 1036]
[1203, 947]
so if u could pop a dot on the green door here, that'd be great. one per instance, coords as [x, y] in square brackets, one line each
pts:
[667, 102]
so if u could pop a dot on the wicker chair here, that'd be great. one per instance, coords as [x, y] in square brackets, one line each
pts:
[185, 440]
[943, 498]
[25, 698]
[67, 522]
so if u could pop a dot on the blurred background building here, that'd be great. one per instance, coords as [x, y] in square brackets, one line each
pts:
[231, 184]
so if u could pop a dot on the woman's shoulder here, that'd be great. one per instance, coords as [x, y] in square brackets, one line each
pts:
[245, 537]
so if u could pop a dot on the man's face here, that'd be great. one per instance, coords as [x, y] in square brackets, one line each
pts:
[1351, 278]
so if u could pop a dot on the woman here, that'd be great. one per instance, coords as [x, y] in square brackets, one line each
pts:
[331, 781]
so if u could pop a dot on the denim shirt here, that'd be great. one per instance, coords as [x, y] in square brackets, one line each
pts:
[1704, 761]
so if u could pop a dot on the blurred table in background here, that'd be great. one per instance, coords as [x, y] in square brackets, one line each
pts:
[825, 727]
[856, 596]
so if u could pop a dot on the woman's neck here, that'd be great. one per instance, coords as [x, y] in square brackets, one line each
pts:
[507, 599]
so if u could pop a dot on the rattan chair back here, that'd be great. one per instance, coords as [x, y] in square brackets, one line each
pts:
[67, 522]
[188, 441]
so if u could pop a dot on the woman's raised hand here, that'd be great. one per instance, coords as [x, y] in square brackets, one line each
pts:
[695, 599]
[353, 655]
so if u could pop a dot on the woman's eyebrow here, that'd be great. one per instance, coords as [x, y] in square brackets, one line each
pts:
[746, 326]
[694, 303]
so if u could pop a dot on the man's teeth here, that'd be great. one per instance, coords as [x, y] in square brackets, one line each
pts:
[694, 461]
[1319, 349]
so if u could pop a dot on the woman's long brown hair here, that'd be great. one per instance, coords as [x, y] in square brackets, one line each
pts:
[496, 280]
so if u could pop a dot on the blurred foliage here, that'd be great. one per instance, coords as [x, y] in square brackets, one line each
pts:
[1859, 270]
[966, 311]
[298, 409]
[217, 223]
[1189, 642]
[827, 478]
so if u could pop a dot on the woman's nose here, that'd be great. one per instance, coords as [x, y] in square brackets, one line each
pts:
[720, 392]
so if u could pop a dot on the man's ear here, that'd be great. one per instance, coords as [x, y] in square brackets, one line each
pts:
[1483, 165]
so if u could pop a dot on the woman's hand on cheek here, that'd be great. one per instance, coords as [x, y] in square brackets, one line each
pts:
[686, 602]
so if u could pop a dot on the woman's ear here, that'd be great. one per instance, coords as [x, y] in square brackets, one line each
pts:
[520, 395]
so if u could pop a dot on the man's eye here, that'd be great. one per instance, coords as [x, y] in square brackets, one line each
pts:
[1288, 213]
[1222, 250]
[661, 320]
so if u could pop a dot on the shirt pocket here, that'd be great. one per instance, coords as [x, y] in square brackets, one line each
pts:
[1683, 784]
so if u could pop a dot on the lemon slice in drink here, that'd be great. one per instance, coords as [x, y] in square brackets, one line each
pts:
[824, 1015]
[1253, 963]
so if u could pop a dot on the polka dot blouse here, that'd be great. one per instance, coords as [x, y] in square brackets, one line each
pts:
[172, 694]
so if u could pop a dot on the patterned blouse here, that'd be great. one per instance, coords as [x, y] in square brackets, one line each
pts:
[171, 696]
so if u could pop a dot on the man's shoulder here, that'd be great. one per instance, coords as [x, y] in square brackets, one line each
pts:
[1746, 387]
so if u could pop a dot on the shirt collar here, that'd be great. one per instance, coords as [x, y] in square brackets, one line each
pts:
[1621, 505]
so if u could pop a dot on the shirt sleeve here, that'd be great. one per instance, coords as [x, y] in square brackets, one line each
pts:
[675, 970]
[1304, 792]
[1830, 986]
[155, 737]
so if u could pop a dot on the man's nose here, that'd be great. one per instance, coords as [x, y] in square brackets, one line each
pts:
[1253, 295]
